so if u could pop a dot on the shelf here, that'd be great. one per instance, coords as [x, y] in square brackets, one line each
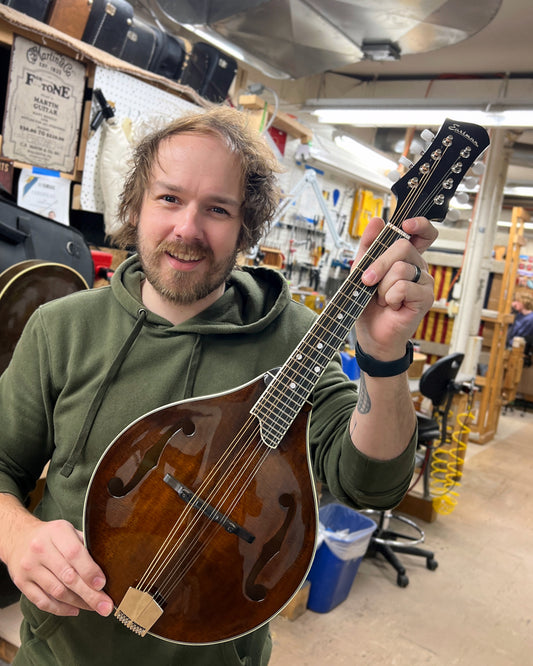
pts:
[433, 348]
[455, 260]
[282, 121]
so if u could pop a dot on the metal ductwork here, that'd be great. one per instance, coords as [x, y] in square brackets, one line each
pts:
[303, 37]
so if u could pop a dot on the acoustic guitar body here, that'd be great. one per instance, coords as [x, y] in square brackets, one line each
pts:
[23, 288]
[194, 512]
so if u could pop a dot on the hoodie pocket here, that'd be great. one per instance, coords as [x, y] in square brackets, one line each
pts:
[37, 628]
[42, 624]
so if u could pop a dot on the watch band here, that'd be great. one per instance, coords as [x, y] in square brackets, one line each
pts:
[375, 368]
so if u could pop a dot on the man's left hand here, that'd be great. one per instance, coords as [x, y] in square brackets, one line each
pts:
[400, 302]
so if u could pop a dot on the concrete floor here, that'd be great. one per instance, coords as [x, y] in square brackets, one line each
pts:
[476, 609]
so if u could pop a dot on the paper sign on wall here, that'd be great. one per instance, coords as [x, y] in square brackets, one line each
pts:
[45, 194]
[43, 107]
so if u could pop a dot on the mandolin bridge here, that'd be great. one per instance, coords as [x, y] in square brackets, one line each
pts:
[213, 514]
[139, 611]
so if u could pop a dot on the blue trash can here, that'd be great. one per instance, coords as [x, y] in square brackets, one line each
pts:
[350, 366]
[344, 535]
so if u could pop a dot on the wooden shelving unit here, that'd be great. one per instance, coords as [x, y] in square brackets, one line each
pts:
[489, 402]
[282, 121]
[495, 323]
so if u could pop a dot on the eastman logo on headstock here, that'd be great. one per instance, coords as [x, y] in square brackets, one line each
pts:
[457, 129]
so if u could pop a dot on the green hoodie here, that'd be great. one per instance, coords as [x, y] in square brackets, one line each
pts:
[89, 364]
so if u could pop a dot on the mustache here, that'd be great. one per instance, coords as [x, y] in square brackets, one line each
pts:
[178, 248]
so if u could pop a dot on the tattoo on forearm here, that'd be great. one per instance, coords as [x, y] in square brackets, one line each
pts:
[363, 403]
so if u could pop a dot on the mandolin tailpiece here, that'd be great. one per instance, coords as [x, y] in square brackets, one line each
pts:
[138, 611]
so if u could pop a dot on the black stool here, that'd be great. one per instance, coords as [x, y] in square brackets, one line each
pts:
[436, 383]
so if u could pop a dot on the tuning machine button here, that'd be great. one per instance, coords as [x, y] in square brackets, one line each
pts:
[416, 147]
[462, 197]
[406, 162]
[427, 135]
[453, 215]
[394, 175]
[470, 182]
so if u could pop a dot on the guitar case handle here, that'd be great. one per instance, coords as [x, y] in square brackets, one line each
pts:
[12, 235]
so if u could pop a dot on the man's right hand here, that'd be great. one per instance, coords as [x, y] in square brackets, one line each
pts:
[49, 563]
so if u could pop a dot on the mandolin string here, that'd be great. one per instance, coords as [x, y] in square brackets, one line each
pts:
[236, 480]
[174, 576]
[190, 510]
[267, 450]
[197, 516]
[177, 573]
[235, 500]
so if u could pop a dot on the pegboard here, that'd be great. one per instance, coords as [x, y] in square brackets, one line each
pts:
[145, 105]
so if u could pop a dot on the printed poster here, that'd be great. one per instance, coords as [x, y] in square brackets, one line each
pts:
[43, 107]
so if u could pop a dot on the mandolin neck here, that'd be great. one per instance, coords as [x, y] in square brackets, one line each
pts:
[426, 189]
[287, 392]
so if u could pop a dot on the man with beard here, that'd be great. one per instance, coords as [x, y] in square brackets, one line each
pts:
[180, 321]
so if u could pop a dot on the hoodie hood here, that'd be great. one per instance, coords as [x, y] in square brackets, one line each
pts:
[253, 299]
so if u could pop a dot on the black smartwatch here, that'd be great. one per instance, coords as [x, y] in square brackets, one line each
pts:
[375, 368]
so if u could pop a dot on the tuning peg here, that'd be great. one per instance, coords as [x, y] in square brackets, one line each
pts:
[416, 147]
[478, 168]
[394, 175]
[406, 162]
[462, 197]
[470, 182]
[453, 215]
[427, 135]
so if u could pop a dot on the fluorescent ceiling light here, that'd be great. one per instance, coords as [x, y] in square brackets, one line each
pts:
[424, 117]
[518, 191]
[428, 112]
[368, 155]
[503, 223]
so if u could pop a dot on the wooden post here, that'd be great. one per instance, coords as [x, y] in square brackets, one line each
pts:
[490, 400]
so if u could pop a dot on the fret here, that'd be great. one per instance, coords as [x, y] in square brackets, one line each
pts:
[425, 190]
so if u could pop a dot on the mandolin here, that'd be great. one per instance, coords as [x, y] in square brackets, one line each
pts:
[203, 513]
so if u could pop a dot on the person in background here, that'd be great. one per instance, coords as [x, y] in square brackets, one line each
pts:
[522, 327]
[180, 320]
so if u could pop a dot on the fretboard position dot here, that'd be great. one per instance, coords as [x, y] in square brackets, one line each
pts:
[299, 357]
[320, 345]
[292, 385]
[317, 368]
[340, 316]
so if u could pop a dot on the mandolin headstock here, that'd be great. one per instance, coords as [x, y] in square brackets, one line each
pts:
[428, 186]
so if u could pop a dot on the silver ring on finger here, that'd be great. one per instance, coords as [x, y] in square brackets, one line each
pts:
[417, 274]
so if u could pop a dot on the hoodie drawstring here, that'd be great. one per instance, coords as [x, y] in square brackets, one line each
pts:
[98, 397]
